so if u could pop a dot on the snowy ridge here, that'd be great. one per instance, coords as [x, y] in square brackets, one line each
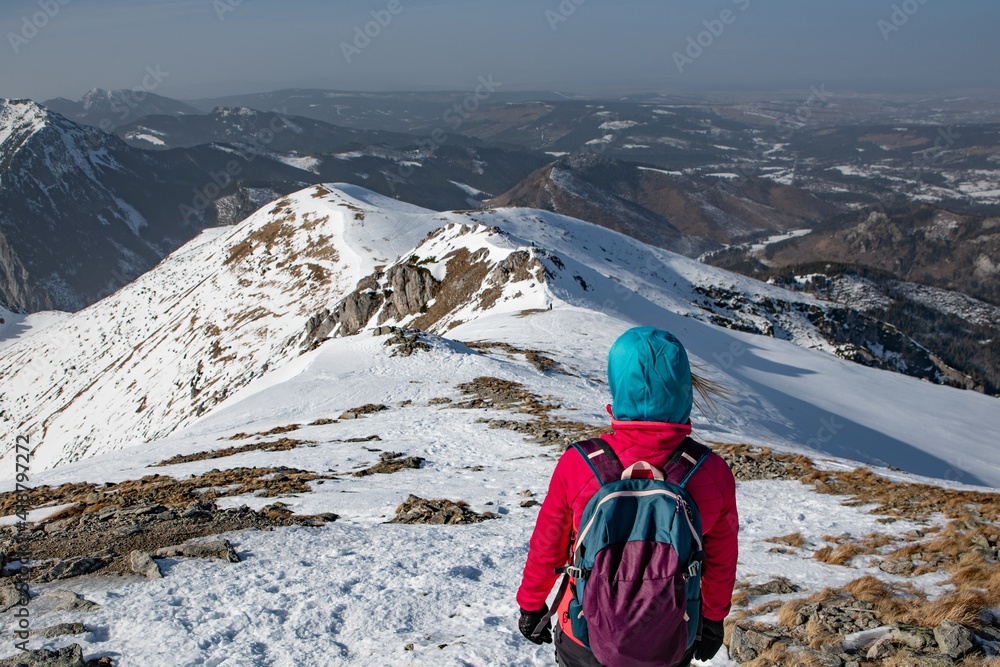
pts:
[234, 304]
[19, 120]
[215, 314]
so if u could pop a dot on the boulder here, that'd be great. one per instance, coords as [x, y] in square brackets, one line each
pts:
[882, 649]
[142, 563]
[61, 630]
[953, 640]
[897, 566]
[11, 596]
[749, 641]
[208, 549]
[777, 586]
[72, 567]
[69, 656]
[437, 512]
[913, 636]
[66, 601]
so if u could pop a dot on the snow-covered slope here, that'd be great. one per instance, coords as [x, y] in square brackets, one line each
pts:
[332, 261]
[364, 592]
[168, 347]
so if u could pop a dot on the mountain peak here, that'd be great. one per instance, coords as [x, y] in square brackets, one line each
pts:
[19, 120]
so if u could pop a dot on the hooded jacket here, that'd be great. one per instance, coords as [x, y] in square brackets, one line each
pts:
[650, 380]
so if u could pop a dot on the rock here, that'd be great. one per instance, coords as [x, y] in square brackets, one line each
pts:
[911, 659]
[69, 656]
[913, 636]
[208, 549]
[953, 640]
[142, 563]
[66, 601]
[778, 586]
[10, 596]
[526, 494]
[748, 641]
[72, 567]
[383, 331]
[897, 566]
[529, 503]
[61, 630]
[391, 462]
[416, 510]
[142, 510]
[361, 411]
[129, 529]
[883, 648]
[980, 540]
[328, 517]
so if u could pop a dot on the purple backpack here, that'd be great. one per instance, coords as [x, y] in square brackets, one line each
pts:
[637, 560]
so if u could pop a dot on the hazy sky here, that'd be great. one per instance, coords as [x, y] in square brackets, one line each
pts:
[217, 47]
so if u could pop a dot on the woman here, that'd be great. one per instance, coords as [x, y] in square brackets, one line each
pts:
[650, 381]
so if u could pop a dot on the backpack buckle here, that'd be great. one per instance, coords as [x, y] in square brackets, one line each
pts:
[575, 572]
[694, 569]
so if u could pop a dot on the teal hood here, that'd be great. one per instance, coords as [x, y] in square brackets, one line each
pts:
[650, 377]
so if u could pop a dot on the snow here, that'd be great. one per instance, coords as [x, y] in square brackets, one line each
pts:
[306, 163]
[725, 175]
[778, 238]
[19, 119]
[469, 190]
[619, 124]
[662, 171]
[148, 138]
[848, 170]
[359, 591]
[17, 326]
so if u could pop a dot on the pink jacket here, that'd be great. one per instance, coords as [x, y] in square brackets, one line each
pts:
[713, 489]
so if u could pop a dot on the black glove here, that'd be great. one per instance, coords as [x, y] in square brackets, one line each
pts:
[529, 621]
[709, 640]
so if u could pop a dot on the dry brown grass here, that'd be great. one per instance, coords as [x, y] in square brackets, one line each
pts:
[792, 540]
[789, 612]
[964, 607]
[740, 599]
[890, 498]
[766, 608]
[842, 554]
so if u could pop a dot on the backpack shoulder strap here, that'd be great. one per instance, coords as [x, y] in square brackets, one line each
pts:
[685, 461]
[602, 460]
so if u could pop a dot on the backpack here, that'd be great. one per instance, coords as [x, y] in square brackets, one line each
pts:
[637, 560]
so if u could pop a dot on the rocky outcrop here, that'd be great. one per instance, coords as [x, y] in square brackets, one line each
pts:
[438, 512]
[408, 292]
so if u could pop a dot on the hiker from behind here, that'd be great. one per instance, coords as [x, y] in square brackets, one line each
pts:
[641, 522]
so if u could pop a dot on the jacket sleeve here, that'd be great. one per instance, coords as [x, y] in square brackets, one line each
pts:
[550, 542]
[721, 548]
